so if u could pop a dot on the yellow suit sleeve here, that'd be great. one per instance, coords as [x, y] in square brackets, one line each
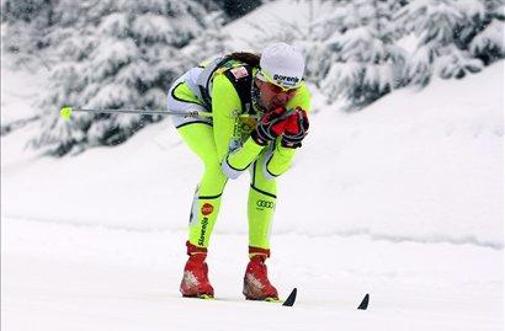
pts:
[279, 160]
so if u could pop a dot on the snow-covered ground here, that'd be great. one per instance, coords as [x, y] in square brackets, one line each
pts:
[403, 200]
[66, 277]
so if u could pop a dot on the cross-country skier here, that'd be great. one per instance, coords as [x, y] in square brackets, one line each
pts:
[259, 106]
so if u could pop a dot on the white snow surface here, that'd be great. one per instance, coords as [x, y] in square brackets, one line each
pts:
[65, 277]
[403, 200]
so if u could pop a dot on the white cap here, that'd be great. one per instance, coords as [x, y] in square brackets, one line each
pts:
[283, 65]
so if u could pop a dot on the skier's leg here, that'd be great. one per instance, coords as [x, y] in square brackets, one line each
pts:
[207, 198]
[261, 207]
[197, 133]
[204, 210]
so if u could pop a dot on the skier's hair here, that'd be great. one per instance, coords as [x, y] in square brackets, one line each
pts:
[251, 59]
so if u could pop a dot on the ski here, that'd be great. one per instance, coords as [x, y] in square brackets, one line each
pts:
[289, 302]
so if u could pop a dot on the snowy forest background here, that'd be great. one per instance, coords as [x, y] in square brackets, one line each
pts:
[125, 54]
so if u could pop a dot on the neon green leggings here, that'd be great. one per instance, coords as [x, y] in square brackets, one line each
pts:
[207, 199]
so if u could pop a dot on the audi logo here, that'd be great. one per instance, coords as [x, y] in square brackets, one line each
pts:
[264, 204]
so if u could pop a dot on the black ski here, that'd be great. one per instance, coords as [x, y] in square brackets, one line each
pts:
[291, 299]
[289, 302]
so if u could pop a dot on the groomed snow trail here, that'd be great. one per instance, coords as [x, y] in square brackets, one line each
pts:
[67, 277]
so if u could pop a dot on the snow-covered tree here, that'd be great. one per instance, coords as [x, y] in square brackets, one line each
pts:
[26, 22]
[211, 42]
[113, 54]
[488, 43]
[454, 37]
[365, 63]
[238, 8]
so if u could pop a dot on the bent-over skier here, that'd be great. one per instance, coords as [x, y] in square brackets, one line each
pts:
[258, 106]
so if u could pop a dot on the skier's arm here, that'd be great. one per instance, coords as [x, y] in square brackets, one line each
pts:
[225, 102]
[278, 161]
[280, 158]
[239, 160]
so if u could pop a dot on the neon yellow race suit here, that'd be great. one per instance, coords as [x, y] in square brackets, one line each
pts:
[223, 143]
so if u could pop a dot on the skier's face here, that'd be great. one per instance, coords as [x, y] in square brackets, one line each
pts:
[273, 96]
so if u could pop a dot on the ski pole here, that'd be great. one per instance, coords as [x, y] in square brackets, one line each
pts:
[66, 112]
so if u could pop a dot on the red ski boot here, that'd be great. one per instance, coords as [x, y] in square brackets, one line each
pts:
[256, 283]
[195, 282]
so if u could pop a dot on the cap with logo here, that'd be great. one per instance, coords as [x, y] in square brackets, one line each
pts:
[283, 65]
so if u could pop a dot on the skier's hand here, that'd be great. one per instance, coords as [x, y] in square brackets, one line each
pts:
[270, 126]
[295, 129]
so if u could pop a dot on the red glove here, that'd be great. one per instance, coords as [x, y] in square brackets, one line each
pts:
[270, 126]
[295, 129]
